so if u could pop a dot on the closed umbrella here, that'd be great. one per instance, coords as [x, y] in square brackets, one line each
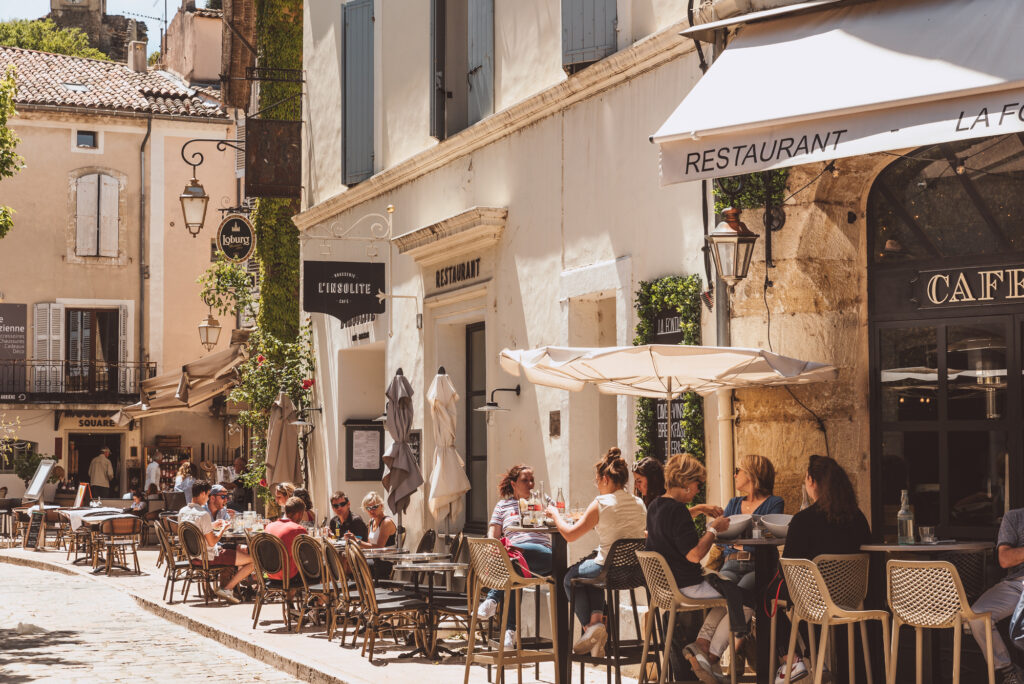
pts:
[283, 442]
[448, 480]
[402, 474]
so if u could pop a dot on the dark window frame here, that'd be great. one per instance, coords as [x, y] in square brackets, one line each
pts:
[474, 526]
[95, 140]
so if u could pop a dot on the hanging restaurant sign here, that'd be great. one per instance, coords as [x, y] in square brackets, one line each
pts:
[273, 158]
[975, 286]
[343, 289]
[236, 238]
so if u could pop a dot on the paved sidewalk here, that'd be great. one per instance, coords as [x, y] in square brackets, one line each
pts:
[96, 633]
[308, 656]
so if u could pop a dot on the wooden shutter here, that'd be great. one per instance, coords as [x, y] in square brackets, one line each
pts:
[109, 208]
[87, 216]
[125, 379]
[40, 346]
[588, 32]
[358, 105]
[240, 154]
[56, 383]
[438, 93]
[480, 59]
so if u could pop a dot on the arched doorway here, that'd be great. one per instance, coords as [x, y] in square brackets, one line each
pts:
[946, 326]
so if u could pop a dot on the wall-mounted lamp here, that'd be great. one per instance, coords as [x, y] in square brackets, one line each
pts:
[732, 245]
[491, 407]
[193, 206]
[303, 424]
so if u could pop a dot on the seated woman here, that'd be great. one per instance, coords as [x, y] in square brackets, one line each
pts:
[831, 524]
[516, 484]
[309, 515]
[648, 479]
[671, 532]
[282, 492]
[381, 532]
[755, 480]
[139, 505]
[615, 514]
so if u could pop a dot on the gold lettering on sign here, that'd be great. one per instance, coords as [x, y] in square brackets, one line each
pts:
[933, 288]
[1016, 283]
[961, 291]
[988, 284]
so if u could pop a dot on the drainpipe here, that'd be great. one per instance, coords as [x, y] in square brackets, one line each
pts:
[143, 266]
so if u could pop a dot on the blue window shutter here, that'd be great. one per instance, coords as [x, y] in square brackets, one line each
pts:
[481, 59]
[588, 32]
[438, 95]
[358, 106]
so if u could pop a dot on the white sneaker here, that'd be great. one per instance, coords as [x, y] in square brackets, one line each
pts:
[798, 672]
[510, 639]
[226, 594]
[597, 650]
[595, 633]
[486, 609]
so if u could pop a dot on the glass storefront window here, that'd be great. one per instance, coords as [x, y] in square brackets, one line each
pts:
[978, 477]
[976, 371]
[908, 359]
[910, 460]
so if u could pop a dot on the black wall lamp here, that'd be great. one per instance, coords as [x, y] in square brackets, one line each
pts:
[303, 423]
[491, 407]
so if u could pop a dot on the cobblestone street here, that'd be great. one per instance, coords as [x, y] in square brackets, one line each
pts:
[98, 634]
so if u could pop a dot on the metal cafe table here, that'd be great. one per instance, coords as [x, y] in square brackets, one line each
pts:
[924, 551]
[428, 563]
[766, 564]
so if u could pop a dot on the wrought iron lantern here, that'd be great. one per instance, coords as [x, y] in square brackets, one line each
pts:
[732, 245]
[193, 206]
[209, 332]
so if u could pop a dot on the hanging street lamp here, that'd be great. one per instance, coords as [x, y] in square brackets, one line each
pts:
[732, 245]
[193, 206]
[209, 332]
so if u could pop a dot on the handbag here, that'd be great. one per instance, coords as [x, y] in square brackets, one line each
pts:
[517, 558]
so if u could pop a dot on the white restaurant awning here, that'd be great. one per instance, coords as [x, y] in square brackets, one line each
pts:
[846, 82]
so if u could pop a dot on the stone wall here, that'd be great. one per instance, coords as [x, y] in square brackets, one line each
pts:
[818, 312]
[107, 32]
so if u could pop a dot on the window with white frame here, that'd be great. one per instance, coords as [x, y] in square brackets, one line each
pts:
[96, 215]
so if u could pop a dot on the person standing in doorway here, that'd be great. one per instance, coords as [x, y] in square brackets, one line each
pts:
[153, 471]
[101, 472]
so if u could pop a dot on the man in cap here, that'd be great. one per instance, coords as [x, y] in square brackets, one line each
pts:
[216, 505]
[101, 472]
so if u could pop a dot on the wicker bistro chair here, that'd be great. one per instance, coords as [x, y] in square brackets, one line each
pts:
[491, 569]
[57, 526]
[346, 597]
[621, 573]
[381, 609]
[193, 543]
[812, 601]
[269, 556]
[309, 560]
[930, 595]
[119, 536]
[169, 521]
[665, 596]
[174, 570]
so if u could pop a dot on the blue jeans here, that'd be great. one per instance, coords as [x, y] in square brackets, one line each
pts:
[538, 559]
[589, 600]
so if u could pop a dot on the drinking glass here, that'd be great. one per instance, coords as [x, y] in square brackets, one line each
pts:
[927, 533]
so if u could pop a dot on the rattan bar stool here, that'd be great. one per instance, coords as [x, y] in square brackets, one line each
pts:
[665, 596]
[812, 602]
[930, 595]
[492, 569]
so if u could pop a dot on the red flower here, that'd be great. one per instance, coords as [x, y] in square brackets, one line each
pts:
[260, 359]
[307, 383]
[263, 482]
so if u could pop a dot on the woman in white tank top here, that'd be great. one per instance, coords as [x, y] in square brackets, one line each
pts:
[615, 514]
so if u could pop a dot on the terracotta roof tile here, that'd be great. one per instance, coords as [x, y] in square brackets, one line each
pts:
[60, 80]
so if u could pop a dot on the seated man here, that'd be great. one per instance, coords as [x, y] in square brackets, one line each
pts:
[286, 530]
[344, 520]
[197, 514]
[216, 505]
[1001, 599]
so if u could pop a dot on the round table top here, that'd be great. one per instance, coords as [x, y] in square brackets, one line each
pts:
[434, 566]
[942, 545]
[547, 529]
[745, 541]
[418, 557]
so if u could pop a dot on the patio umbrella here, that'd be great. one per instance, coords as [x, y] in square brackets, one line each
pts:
[402, 474]
[660, 371]
[283, 442]
[448, 479]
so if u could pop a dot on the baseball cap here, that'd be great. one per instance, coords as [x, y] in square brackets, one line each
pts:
[217, 489]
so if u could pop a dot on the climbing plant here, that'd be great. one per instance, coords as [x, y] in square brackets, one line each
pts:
[10, 161]
[227, 287]
[679, 294]
[752, 190]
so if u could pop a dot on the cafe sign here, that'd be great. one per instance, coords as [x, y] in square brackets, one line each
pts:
[346, 290]
[975, 286]
[236, 238]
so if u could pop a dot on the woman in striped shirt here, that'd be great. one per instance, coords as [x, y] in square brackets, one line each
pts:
[516, 484]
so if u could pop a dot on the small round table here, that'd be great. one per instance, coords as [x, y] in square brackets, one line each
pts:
[766, 562]
[429, 567]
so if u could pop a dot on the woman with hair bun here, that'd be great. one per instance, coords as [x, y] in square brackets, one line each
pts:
[615, 514]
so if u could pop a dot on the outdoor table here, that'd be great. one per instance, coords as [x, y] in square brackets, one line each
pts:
[922, 551]
[559, 565]
[95, 523]
[77, 515]
[414, 557]
[766, 563]
[429, 567]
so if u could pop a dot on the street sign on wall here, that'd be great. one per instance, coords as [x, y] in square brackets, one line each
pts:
[343, 289]
[236, 238]
[13, 328]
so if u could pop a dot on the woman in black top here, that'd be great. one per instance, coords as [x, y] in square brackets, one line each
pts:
[832, 524]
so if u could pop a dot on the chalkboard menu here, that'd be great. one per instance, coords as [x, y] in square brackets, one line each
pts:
[34, 534]
[662, 425]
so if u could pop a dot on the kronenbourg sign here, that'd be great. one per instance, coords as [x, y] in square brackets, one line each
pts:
[343, 289]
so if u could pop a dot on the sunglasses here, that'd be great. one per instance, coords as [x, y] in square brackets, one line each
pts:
[373, 507]
[340, 504]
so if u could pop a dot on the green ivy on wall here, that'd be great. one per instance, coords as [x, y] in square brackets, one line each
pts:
[681, 294]
[754, 189]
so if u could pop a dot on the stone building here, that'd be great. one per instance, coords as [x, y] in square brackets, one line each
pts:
[109, 33]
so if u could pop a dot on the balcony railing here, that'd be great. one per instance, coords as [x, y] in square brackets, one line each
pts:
[89, 382]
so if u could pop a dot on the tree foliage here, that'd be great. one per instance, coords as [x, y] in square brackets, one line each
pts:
[10, 161]
[153, 58]
[227, 288]
[44, 35]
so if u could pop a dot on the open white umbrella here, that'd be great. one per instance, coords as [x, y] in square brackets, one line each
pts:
[660, 371]
[448, 479]
[402, 475]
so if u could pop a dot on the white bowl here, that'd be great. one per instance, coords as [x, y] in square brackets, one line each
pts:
[777, 524]
[738, 526]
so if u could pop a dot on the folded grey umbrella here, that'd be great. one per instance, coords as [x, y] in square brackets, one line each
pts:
[402, 474]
